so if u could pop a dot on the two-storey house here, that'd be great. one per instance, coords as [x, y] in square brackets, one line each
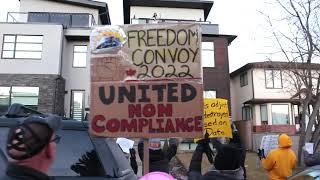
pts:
[262, 98]
[44, 60]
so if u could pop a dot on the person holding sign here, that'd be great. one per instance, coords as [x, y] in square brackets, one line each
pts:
[226, 164]
[281, 161]
[159, 159]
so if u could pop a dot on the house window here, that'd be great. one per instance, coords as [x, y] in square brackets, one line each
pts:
[27, 96]
[280, 113]
[273, 79]
[207, 54]
[244, 79]
[80, 56]
[21, 47]
[264, 113]
[209, 94]
[77, 104]
[4, 99]
[246, 113]
[187, 146]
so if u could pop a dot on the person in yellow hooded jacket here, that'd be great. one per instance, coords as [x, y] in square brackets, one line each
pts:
[281, 161]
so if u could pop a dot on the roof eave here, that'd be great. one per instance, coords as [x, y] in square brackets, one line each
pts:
[192, 4]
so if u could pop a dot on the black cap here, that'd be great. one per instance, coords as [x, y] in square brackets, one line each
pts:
[31, 136]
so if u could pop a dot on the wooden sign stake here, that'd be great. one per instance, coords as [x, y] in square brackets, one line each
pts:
[145, 156]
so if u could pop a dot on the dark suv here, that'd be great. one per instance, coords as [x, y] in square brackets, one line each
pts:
[75, 142]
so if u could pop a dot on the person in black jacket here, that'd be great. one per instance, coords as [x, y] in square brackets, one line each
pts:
[226, 165]
[158, 158]
[31, 147]
[236, 141]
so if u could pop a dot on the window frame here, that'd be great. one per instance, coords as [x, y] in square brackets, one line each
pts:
[250, 112]
[272, 78]
[211, 50]
[15, 45]
[265, 105]
[83, 103]
[204, 93]
[73, 52]
[11, 96]
[244, 76]
[288, 110]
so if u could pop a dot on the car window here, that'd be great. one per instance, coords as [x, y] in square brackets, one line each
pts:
[3, 139]
[72, 146]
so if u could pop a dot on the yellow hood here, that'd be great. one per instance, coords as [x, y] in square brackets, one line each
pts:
[285, 141]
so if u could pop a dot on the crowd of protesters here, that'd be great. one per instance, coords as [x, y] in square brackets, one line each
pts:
[31, 148]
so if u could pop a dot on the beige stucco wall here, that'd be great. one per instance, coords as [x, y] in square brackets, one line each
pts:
[261, 92]
[239, 95]
[167, 13]
[51, 6]
[51, 49]
[76, 78]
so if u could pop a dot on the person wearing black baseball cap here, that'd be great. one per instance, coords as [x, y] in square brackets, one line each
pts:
[31, 146]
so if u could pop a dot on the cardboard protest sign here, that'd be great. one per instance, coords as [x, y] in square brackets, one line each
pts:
[146, 109]
[146, 81]
[268, 143]
[216, 118]
[154, 51]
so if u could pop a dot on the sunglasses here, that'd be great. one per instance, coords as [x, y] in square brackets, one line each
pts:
[56, 139]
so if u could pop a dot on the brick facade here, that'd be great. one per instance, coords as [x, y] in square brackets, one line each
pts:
[51, 89]
[289, 129]
[218, 78]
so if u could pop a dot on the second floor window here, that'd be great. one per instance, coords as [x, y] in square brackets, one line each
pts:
[207, 54]
[273, 79]
[244, 79]
[21, 46]
[80, 56]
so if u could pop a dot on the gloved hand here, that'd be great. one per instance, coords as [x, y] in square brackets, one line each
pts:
[133, 161]
[261, 154]
[132, 153]
[204, 143]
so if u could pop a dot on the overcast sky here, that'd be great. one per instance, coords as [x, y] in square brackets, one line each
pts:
[235, 17]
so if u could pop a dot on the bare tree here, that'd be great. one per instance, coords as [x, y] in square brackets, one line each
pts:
[299, 44]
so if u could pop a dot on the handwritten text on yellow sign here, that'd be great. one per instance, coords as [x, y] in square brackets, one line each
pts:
[216, 118]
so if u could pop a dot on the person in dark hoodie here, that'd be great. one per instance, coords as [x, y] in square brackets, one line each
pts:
[226, 164]
[158, 158]
[236, 141]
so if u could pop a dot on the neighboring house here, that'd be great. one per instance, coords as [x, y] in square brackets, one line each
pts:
[261, 96]
[45, 55]
[215, 60]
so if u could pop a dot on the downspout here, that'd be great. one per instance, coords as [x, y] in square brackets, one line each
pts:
[252, 84]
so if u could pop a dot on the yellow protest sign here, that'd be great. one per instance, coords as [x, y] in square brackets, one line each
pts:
[216, 118]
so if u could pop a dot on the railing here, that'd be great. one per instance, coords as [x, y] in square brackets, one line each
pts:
[68, 20]
[154, 21]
